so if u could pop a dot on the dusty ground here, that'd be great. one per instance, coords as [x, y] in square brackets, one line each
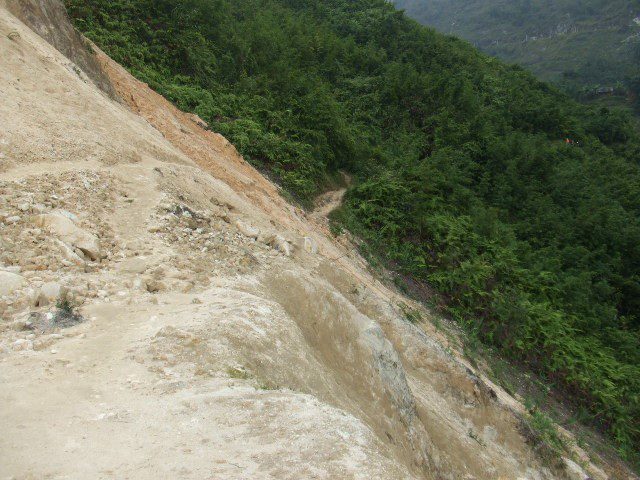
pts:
[224, 333]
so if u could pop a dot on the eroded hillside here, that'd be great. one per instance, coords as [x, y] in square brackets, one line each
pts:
[166, 314]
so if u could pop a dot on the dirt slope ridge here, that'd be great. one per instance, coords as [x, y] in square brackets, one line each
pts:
[220, 338]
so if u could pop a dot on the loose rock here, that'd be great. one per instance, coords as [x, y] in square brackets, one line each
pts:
[247, 229]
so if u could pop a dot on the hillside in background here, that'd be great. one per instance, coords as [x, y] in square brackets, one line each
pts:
[519, 206]
[583, 45]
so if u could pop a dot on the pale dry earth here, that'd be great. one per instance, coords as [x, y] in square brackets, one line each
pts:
[225, 334]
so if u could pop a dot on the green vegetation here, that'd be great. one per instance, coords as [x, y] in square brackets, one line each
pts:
[580, 44]
[542, 433]
[238, 373]
[462, 177]
[410, 314]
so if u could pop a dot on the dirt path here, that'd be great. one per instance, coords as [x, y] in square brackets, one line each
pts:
[327, 203]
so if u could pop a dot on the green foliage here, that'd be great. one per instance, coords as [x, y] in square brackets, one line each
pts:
[542, 432]
[462, 176]
[64, 305]
[411, 314]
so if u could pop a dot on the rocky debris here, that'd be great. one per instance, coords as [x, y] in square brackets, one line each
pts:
[247, 229]
[206, 243]
[67, 231]
[51, 293]
[90, 195]
[10, 282]
[279, 243]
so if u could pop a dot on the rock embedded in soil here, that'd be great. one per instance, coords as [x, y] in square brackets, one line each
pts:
[10, 282]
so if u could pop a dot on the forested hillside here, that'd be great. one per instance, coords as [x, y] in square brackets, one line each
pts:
[582, 45]
[520, 206]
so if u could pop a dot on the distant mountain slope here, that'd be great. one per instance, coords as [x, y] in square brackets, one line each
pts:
[592, 42]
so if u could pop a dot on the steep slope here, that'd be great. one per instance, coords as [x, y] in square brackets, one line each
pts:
[217, 333]
[516, 204]
[594, 42]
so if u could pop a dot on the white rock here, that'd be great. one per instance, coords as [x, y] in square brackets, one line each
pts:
[13, 219]
[32, 296]
[247, 229]
[10, 282]
[310, 245]
[68, 232]
[50, 293]
[140, 284]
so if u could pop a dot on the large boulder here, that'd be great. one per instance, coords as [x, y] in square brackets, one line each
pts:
[67, 231]
[10, 282]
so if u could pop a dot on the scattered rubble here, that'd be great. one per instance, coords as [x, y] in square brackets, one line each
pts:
[247, 229]
[68, 232]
